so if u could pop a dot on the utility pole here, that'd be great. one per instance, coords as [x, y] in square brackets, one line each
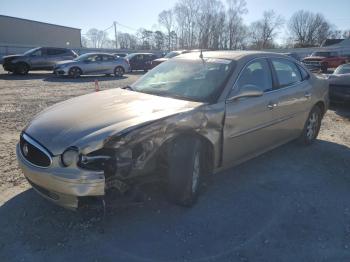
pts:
[115, 34]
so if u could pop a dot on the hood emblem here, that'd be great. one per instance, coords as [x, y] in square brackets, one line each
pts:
[25, 149]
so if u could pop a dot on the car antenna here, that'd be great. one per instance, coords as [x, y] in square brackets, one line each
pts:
[201, 54]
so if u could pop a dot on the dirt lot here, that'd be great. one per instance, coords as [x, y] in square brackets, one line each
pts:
[291, 204]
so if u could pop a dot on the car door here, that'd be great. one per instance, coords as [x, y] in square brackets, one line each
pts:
[90, 64]
[250, 125]
[108, 64]
[138, 63]
[293, 102]
[54, 55]
[37, 59]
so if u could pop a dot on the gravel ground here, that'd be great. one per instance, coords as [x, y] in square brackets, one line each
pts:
[291, 204]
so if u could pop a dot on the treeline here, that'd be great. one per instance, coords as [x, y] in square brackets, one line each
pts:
[209, 24]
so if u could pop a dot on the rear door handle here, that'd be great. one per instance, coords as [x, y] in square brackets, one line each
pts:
[271, 106]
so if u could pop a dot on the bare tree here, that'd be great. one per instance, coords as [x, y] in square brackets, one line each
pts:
[264, 31]
[309, 29]
[158, 39]
[96, 38]
[236, 29]
[165, 18]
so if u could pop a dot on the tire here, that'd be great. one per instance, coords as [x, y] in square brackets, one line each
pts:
[185, 171]
[324, 68]
[22, 68]
[119, 71]
[311, 127]
[75, 72]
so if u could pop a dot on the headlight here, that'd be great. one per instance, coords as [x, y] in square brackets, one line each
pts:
[69, 157]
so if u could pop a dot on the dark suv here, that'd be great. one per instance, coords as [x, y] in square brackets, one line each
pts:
[40, 58]
[140, 61]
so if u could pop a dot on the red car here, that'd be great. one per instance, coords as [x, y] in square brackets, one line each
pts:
[323, 60]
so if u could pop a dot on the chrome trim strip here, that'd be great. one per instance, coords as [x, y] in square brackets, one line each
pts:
[38, 146]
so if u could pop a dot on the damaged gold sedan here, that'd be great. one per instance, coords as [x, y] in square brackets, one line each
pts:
[190, 116]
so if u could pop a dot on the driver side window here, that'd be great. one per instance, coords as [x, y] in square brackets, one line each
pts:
[258, 74]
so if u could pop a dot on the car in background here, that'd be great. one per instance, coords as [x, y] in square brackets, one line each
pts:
[120, 54]
[141, 61]
[168, 56]
[92, 63]
[293, 55]
[323, 60]
[191, 116]
[339, 84]
[40, 58]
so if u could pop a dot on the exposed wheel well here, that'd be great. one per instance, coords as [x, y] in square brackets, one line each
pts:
[208, 149]
[322, 106]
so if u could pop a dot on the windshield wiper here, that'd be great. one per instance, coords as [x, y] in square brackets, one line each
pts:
[128, 88]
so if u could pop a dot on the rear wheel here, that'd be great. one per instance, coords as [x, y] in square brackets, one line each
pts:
[75, 72]
[22, 68]
[312, 126]
[185, 171]
[119, 71]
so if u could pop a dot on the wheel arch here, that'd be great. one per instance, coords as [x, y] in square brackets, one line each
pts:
[208, 147]
[322, 106]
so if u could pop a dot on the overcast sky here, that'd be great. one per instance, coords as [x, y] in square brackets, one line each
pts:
[135, 14]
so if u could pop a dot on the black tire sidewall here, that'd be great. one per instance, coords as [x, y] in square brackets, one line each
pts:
[180, 171]
[22, 68]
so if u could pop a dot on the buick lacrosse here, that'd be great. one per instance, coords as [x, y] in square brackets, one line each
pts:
[191, 116]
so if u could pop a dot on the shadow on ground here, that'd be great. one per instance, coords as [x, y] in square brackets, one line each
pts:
[291, 204]
[342, 110]
[49, 77]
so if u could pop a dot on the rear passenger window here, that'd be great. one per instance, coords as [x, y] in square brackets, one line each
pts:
[287, 72]
[258, 74]
[52, 51]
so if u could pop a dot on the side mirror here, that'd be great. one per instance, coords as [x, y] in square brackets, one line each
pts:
[247, 91]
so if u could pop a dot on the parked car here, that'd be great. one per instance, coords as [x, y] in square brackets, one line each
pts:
[40, 58]
[323, 60]
[120, 54]
[140, 61]
[92, 63]
[168, 56]
[186, 118]
[339, 84]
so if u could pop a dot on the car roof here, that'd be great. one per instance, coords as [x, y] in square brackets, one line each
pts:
[98, 54]
[230, 55]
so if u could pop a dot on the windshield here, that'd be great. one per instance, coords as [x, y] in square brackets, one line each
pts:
[172, 54]
[344, 69]
[130, 56]
[188, 79]
[84, 57]
[31, 51]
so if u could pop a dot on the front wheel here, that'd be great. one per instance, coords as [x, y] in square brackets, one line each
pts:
[119, 71]
[311, 127]
[75, 72]
[21, 69]
[185, 171]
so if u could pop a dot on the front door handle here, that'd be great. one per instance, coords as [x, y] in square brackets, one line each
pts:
[307, 95]
[271, 106]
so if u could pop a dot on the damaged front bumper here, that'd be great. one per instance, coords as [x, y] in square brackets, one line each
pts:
[61, 185]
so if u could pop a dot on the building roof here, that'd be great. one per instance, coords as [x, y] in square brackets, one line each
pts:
[329, 42]
[33, 21]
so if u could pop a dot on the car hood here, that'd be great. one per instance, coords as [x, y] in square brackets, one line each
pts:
[11, 57]
[160, 60]
[87, 121]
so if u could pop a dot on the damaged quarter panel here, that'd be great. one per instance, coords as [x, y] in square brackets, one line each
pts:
[139, 150]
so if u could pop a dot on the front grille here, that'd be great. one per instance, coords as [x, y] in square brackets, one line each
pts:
[33, 152]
